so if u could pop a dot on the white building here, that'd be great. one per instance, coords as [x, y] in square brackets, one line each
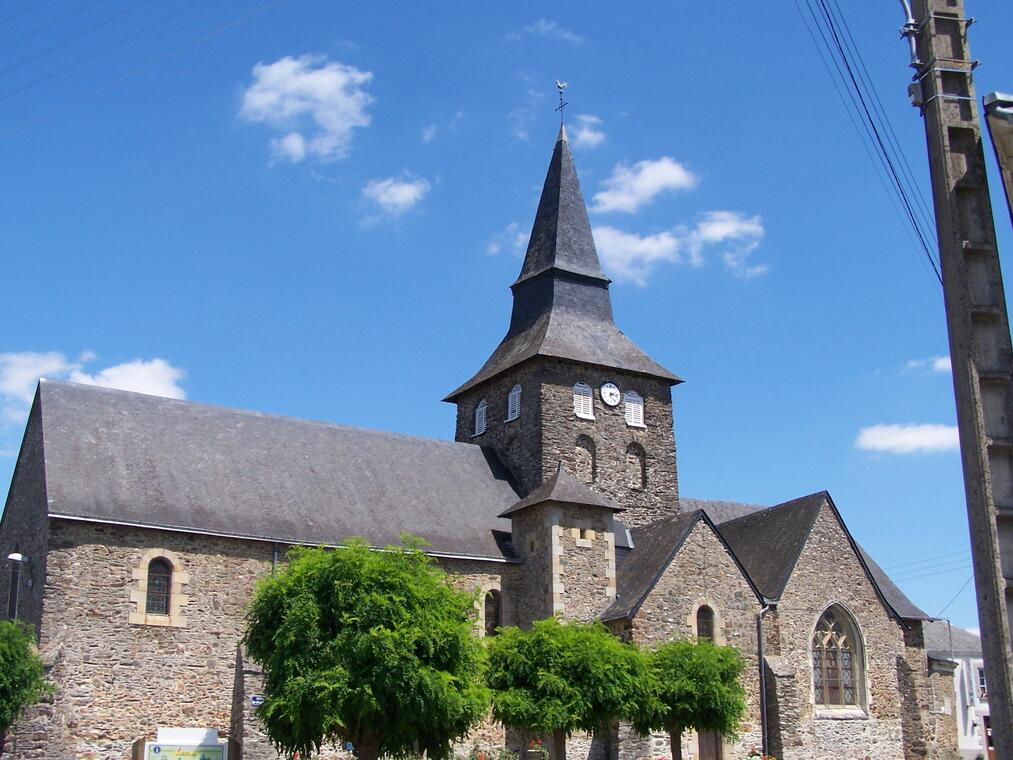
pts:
[946, 641]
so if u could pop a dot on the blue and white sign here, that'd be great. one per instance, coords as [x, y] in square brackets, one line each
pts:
[256, 700]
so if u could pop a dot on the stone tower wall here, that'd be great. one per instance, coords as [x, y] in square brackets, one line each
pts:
[548, 430]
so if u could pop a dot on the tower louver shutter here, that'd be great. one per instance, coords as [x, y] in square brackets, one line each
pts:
[583, 398]
[480, 417]
[514, 403]
[634, 409]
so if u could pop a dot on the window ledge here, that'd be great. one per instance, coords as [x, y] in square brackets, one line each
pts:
[841, 713]
[512, 419]
[478, 435]
[583, 416]
[634, 425]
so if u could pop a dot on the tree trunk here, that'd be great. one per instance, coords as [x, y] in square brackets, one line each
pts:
[559, 745]
[368, 746]
[675, 740]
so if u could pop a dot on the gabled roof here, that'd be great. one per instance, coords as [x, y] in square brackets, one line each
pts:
[128, 458]
[656, 546]
[769, 542]
[564, 488]
[562, 307]
[944, 640]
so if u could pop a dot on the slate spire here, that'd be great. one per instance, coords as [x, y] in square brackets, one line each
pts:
[562, 306]
[561, 235]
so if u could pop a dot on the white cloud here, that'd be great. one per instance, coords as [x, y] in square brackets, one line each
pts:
[20, 372]
[738, 234]
[317, 104]
[512, 239]
[586, 131]
[396, 195]
[630, 257]
[630, 188]
[429, 133]
[550, 29]
[907, 439]
[156, 377]
[932, 364]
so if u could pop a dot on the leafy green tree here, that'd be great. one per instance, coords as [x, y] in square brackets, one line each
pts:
[22, 680]
[557, 678]
[698, 687]
[371, 647]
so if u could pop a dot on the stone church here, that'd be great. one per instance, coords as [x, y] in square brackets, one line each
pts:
[144, 523]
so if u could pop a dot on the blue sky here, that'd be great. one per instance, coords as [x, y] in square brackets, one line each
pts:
[315, 209]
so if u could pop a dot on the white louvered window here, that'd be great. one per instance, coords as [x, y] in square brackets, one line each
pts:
[514, 403]
[634, 409]
[480, 417]
[583, 401]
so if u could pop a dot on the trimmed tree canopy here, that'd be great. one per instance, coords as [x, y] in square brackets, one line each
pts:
[698, 688]
[557, 678]
[22, 679]
[372, 647]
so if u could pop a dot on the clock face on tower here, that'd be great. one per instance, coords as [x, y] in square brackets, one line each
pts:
[610, 394]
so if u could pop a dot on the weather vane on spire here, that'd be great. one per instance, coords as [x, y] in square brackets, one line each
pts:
[562, 104]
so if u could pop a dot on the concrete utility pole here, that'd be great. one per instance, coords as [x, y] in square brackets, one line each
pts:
[978, 327]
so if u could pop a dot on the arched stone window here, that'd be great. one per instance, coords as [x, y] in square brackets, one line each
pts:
[493, 611]
[705, 623]
[636, 467]
[837, 660]
[157, 593]
[585, 459]
[159, 587]
[480, 414]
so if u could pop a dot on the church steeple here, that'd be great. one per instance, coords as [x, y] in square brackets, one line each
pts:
[562, 307]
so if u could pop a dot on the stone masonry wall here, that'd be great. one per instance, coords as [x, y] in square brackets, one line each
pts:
[23, 528]
[547, 431]
[702, 573]
[829, 572]
[612, 436]
[117, 682]
[518, 442]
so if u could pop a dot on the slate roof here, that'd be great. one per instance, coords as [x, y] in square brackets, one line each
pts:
[564, 488]
[129, 458]
[943, 641]
[562, 306]
[655, 547]
[765, 541]
[769, 541]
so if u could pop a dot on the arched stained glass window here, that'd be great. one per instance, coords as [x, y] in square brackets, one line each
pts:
[159, 587]
[493, 612]
[705, 623]
[837, 660]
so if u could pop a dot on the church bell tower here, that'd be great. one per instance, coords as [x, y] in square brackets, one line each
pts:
[566, 385]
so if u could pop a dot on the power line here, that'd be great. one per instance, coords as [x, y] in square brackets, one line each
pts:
[946, 606]
[74, 37]
[919, 576]
[927, 560]
[100, 51]
[144, 67]
[22, 12]
[49, 24]
[863, 102]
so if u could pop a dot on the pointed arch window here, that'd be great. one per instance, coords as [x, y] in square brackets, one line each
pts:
[636, 467]
[705, 623]
[583, 398]
[480, 415]
[634, 409]
[837, 660]
[514, 403]
[159, 587]
[493, 612]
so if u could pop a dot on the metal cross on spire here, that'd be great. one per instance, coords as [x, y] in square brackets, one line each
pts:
[562, 104]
